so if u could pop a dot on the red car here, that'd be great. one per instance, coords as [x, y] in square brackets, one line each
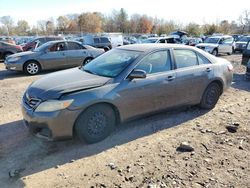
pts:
[35, 43]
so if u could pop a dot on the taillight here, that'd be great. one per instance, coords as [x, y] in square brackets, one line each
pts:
[230, 68]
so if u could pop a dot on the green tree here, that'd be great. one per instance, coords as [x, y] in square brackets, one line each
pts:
[193, 29]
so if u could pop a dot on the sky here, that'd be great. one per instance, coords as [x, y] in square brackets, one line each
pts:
[181, 11]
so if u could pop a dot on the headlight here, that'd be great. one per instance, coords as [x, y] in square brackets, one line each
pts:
[11, 59]
[244, 45]
[53, 105]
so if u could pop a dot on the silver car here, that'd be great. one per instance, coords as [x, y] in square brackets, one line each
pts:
[218, 44]
[52, 55]
[122, 84]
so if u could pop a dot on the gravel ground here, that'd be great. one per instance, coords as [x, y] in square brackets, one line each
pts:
[143, 153]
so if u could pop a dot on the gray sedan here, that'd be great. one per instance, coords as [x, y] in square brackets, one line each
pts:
[121, 84]
[52, 55]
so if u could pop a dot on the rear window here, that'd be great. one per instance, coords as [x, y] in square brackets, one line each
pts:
[185, 58]
[104, 40]
[96, 40]
[74, 46]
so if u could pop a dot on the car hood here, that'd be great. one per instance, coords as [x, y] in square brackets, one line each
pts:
[22, 54]
[241, 42]
[207, 45]
[54, 85]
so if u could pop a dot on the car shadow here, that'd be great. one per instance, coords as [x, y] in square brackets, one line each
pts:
[240, 82]
[20, 150]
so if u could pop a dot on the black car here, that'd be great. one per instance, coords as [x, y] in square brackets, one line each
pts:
[246, 54]
[246, 59]
[7, 49]
[96, 41]
[241, 44]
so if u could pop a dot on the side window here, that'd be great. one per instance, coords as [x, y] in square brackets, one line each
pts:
[248, 46]
[156, 62]
[57, 47]
[96, 40]
[104, 40]
[228, 41]
[202, 60]
[185, 58]
[74, 46]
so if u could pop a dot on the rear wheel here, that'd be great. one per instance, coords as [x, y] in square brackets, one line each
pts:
[96, 123]
[215, 52]
[32, 68]
[210, 96]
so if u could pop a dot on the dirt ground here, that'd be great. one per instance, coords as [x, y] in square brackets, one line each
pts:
[142, 153]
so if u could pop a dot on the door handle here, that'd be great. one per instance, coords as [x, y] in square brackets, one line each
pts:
[170, 78]
[208, 69]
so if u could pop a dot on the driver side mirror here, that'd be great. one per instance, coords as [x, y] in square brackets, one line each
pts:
[137, 73]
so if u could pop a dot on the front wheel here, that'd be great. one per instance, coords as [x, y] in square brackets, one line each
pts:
[210, 96]
[32, 68]
[87, 60]
[96, 123]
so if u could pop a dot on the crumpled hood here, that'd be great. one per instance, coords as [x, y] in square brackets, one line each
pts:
[53, 85]
[207, 45]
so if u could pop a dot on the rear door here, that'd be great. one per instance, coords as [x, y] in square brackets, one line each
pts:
[75, 54]
[193, 72]
[54, 57]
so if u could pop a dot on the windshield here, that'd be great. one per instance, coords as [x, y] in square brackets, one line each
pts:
[149, 41]
[212, 40]
[111, 63]
[244, 39]
[42, 47]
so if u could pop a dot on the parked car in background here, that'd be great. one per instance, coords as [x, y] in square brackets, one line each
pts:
[35, 43]
[241, 44]
[218, 44]
[95, 41]
[168, 39]
[52, 55]
[194, 41]
[248, 71]
[246, 54]
[237, 37]
[7, 49]
[121, 84]
[7, 40]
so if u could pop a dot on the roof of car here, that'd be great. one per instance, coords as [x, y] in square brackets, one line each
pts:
[220, 36]
[153, 46]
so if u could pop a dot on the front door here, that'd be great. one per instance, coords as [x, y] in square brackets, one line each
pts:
[54, 57]
[153, 93]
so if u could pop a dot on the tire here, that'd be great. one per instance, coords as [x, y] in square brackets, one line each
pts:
[215, 52]
[95, 124]
[106, 49]
[210, 96]
[32, 68]
[230, 53]
[6, 55]
[87, 60]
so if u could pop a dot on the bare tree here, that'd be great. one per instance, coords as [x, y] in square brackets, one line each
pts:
[8, 22]
[244, 21]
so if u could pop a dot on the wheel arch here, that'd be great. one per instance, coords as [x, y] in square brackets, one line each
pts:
[113, 107]
[219, 82]
[30, 60]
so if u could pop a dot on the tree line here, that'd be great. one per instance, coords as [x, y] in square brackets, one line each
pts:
[119, 21]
